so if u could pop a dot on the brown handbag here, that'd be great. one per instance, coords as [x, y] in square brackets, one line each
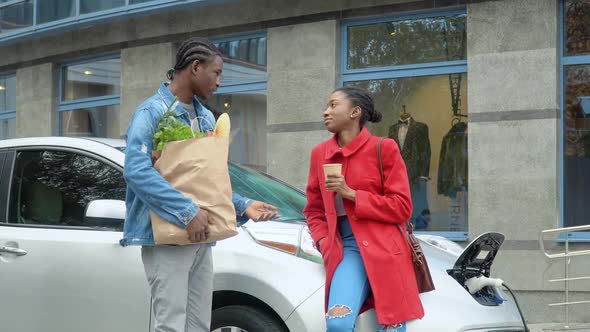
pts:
[423, 277]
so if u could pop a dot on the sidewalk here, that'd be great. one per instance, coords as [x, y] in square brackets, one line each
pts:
[551, 327]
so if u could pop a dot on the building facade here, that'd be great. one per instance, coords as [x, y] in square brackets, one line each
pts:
[488, 100]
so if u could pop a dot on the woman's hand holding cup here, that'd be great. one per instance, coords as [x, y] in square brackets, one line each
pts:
[335, 181]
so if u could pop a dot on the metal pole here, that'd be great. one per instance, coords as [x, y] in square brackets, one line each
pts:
[567, 275]
[567, 254]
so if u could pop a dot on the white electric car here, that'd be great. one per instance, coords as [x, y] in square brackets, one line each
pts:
[62, 268]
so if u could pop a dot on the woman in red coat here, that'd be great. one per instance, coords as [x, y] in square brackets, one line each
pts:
[353, 219]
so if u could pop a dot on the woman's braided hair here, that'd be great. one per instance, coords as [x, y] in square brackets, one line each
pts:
[362, 98]
[190, 50]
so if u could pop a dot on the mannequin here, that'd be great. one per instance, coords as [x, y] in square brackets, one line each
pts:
[414, 144]
[404, 121]
[405, 116]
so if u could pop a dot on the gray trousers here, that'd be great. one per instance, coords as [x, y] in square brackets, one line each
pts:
[181, 282]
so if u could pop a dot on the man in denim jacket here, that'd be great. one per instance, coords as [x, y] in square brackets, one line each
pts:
[180, 277]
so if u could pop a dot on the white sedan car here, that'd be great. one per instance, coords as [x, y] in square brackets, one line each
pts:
[62, 268]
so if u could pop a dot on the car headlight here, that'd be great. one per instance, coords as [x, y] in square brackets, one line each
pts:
[295, 239]
[291, 238]
[307, 247]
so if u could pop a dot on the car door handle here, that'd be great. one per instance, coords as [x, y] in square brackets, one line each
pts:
[14, 251]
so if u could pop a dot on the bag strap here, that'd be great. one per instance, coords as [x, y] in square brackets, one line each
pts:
[410, 229]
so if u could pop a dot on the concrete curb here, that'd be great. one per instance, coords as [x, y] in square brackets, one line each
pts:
[558, 327]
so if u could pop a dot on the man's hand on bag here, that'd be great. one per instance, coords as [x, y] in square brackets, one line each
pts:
[260, 211]
[198, 228]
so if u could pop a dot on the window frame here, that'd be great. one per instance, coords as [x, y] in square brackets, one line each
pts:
[566, 60]
[9, 186]
[70, 105]
[6, 169]
[78, 18]
[9, 114]
[10, 3]
[402, 71]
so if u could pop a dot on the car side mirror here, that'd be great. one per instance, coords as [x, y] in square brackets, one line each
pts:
[105, 213]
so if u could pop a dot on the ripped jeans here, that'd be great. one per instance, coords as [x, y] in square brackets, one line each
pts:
[350, 287]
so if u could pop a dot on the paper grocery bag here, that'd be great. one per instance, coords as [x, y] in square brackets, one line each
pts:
[198, 169]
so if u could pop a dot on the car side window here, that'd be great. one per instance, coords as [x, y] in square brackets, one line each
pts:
[53, 188]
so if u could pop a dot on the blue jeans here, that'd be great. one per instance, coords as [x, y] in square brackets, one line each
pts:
[350, 287]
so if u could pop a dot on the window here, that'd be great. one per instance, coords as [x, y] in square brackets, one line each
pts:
[7, 106]
[55, 10]
[53, 188]
[402, 42]
[7, 128]
[415, 68]
[244, 60]
[89, 98]
[15, 16]
[248, 119]
[92, 121]
[576, 113]
[577, 29]
[91, 79]
[243, 96]
[90, 6]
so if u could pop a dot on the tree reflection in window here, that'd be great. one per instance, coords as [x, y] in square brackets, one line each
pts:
[407, 42]
[74, 179]
[577, 27]
[577, 135]
[82, 178]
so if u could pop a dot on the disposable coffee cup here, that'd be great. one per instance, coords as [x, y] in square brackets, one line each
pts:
[332, 169]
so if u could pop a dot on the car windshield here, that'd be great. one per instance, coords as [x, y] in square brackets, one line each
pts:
[262, 187]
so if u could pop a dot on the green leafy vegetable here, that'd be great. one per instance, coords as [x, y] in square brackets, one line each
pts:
[171, 129]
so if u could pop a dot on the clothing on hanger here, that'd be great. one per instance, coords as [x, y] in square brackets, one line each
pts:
[414, 144]
[402, 132]
[452, 168]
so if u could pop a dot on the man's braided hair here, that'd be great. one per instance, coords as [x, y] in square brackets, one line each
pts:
[190, 50]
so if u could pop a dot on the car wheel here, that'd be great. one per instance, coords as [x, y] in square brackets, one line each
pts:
[238, 318]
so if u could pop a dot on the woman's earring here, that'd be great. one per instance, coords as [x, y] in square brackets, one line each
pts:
[352, 117]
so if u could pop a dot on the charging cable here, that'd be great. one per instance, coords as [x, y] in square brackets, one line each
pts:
[475, 284]
[526, 328]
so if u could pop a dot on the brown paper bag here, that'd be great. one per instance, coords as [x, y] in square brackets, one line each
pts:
[198, 169]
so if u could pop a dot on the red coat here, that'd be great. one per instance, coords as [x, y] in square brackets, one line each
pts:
[373, 217]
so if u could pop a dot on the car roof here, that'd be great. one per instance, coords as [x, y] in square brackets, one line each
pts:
[60, 141]
[100, 146]
[114, 142]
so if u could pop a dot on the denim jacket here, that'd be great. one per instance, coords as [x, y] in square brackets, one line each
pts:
[146, 188]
